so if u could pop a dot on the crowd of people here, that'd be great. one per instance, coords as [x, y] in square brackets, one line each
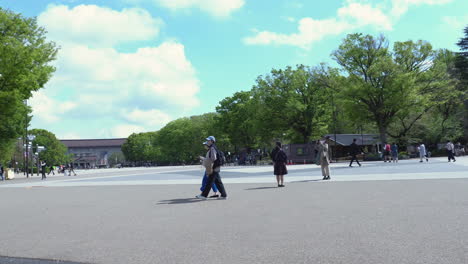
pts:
[214, 159]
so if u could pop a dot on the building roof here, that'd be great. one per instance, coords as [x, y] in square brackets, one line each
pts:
[93, 143]
[347, 139]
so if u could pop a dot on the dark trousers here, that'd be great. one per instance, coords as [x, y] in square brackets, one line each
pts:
[450, 155]
[214, 178]
[354, 158]
[43, 174]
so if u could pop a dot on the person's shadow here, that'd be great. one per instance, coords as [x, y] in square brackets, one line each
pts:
[315, 180]
[180, 201]
[261, 188]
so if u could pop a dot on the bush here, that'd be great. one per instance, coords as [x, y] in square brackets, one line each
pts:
[403, 155]
[372, 157]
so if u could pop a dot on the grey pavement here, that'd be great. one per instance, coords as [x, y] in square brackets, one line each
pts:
[309, 221]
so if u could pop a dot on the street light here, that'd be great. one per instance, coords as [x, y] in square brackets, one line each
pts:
[28, 138]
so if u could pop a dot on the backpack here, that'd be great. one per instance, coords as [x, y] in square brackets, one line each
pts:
[220, 158]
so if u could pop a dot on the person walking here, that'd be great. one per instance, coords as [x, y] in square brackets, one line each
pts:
[394, 150]
[205, 178]
[324, 158]
[386, 154]
[43, 170]
[354, 151]
[51, 170]
[279, 158]
[212, 163]
[71, 169]
[422, 152]
[450, 151]
[1, 172]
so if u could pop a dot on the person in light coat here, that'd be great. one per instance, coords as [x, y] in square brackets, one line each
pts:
[324, 158]
[422, 152]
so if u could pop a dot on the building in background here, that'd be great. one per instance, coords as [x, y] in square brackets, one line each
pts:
[93, 153]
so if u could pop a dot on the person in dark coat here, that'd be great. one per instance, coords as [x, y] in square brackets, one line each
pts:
[279, 158]
[354, 151]
[43, 169]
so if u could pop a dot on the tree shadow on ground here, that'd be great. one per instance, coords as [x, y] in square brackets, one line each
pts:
[261, 188]
[180, 201]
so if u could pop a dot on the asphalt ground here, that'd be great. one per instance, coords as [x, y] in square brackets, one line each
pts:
[310, 221]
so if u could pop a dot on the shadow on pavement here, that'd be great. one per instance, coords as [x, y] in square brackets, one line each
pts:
[180, 201]
[33, 261]
[261, 188]
[317, 180]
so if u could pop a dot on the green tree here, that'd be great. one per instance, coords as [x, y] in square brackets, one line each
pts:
[434, 86]
[237, 119]
[180, 141]
[462, 67]
[55, 152]
[139, 147]
[293, 104]
[383, 86]
[24, 67]
[116, 158]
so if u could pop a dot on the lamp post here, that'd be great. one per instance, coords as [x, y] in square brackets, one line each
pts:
[39, 149]
[28, 147]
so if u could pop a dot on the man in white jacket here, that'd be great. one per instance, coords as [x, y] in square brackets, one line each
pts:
[422, 152]
[450, 151]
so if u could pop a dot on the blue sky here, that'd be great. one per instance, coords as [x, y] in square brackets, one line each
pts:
[133, 65]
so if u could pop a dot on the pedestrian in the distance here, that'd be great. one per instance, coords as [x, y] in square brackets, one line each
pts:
[324, 158]
[316, 150]
[205, 177]
[450, 151]
[422, 153]
[354, 151]
[279, 158]
[1, 172]
[386, 151]
[212, 163]
[43, 169]
[71, 169]
[394, 150]
[51, 170]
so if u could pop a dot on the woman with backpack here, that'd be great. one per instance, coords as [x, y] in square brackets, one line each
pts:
[205, 177]
[279, 163]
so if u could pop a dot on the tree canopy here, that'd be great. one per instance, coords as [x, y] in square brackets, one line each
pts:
[25, 57]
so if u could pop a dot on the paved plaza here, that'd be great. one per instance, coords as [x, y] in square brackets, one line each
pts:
[408, 212]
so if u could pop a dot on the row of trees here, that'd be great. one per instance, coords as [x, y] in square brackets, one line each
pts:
[407, 93]
[25, 57]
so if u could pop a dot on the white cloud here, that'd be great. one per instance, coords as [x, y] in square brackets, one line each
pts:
[217, 8]
[125, 130]
[400, 7]
[71, 136]
[152, 118]
[455, 23]
[362, 15]
[115, 93]
[47, 109]
[310, 31]
[98, 26]
[351, 16]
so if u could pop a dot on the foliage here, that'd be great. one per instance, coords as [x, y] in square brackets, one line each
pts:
[139, 147]
[24, 67]
[55, 152]
[237, 118]
[295, 99]
[116, 158]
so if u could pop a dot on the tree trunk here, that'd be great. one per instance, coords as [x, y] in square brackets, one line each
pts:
[383, 134]
[465, 121]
